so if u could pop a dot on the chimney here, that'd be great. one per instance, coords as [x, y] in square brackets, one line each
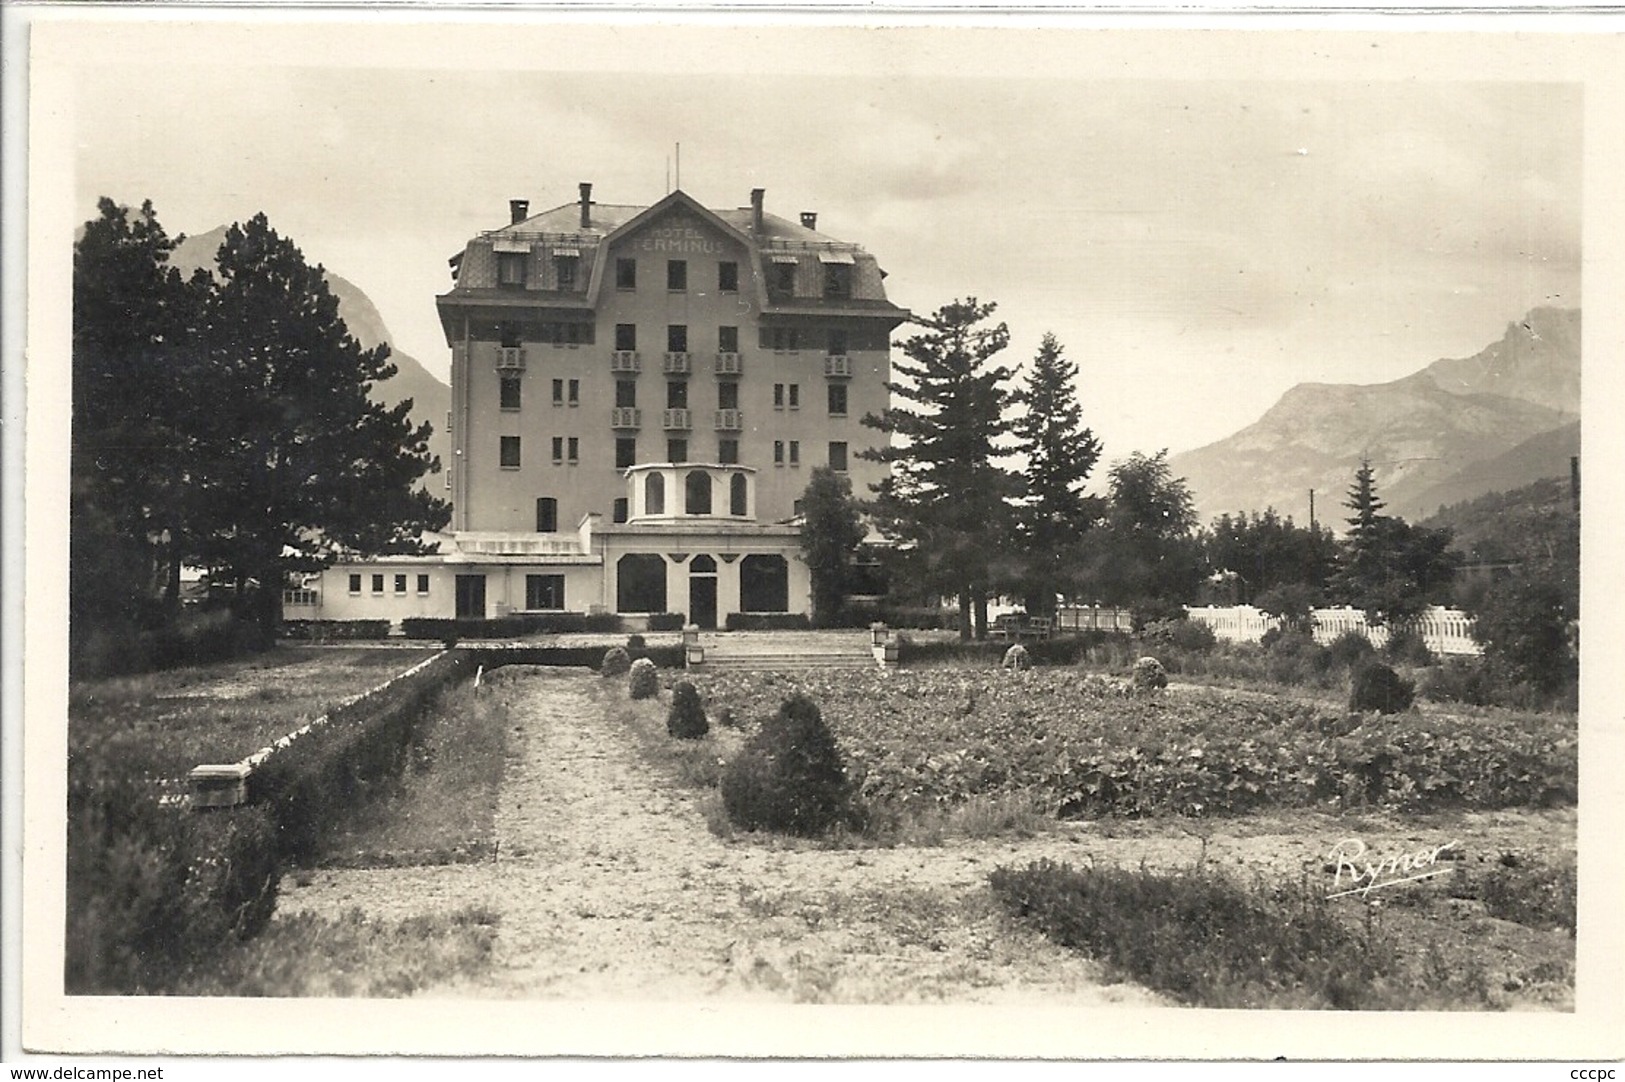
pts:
[586, 205]
[809, 219]
[518, 210]
[756, 195]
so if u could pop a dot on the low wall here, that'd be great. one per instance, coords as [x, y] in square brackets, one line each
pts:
[1446, 631]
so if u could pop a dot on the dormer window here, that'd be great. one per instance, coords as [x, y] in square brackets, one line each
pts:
[511, 269]
[565, 266]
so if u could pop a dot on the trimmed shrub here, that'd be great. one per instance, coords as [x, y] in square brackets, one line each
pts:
[1350, 649]
[643, 682]
[768, 621]
[789, 776]
[1375, 686]
[666, 621]
[636, 642]
[1149, 675]
[686, 719]
[509, 627]
[1017, 659]
[616, 662]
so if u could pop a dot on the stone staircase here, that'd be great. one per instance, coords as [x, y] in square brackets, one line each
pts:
[785, 651]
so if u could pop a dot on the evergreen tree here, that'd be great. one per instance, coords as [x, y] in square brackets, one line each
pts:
[1361, 570]
[1060, 454]
[299, 465]
[831, 529]
[1389, 568]
[946, 493]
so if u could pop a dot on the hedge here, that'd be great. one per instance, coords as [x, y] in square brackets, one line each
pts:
[507, 627]
[335, 630]
[666, 621]
[585, 657]
[1068, 650]
[768, 621]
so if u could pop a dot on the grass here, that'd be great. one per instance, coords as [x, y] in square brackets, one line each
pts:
[443, 809]
[162, 724]
[351, 955]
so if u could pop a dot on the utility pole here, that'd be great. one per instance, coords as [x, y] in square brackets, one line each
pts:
[1311, 509]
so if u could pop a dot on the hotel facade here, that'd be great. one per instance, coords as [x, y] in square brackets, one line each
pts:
[639, 395]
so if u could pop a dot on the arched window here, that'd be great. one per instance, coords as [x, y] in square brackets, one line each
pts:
[737, 496]
[640, 583]
[697, 493]
[654, 494]
[702, 565]
[764, 584]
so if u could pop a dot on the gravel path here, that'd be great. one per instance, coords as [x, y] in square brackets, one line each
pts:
[610, 886]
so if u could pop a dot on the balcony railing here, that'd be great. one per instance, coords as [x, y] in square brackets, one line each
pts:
[625, 417]
[677, 364]
[838, 366]
[625, 360]
[510, 359]
[730, 420]
[678, 420]
[729, 364]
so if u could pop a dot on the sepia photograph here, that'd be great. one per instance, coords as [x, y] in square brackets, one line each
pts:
[782, 536]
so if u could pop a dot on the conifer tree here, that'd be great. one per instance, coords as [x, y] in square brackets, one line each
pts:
[831, 529]
[947, 494]
[1060, 454]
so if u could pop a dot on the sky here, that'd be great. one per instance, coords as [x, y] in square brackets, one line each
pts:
[1198, 244]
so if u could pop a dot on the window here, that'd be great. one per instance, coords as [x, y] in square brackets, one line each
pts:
[676, 394]
[737, 495]
[764, 584]
[838, 280]
[511, 269]
[558, 392]
[565, 266]
[837, 456]
[510, 392]
[778, 396]
[697, 493]
[677, 275]
[423, 584]
[676, 450]
[640, 583]
[784, 277]
[626, 452]
[355, 584]
[795, 395]
[619, 514]
[795, 452]
[837, 341]
[378, 584]
[728, 452]
[626, 275]
[677, 338]
[728, 278]
[558, 450]
[727, 396]
[626, 393]
[544, 592]
[400, 584]
[547, 514]
[781, 339]
[837, 399]
[654, 494]
[727, 339]
[626, 336]
[575, 450]
[575, 392]
[510, 452]
[778, 452]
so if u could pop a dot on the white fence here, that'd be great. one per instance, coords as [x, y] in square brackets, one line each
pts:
[1093, 617]
[1446, 631]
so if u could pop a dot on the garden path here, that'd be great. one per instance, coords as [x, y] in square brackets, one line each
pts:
[610, 886]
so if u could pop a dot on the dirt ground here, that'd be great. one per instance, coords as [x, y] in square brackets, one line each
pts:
[610, 886]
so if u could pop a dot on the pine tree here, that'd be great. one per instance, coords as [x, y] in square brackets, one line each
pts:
[946, 493]
[300, 465]
[1362, 569]
[1060, 454]
[831, 529]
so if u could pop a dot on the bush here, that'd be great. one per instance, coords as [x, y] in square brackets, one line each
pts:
[1017, 659]
[616, 662]
[1293, 603]
[1375, 686]
[1460, 680]
[644, 681]
[1191, 636]
[667, 621]
[1153, 610]
[767, 621]
[1405, 646]
[686, 719]
[1524, 628]
[636, 642]
[1350, 650]
[1149, 675]
[789, 776]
